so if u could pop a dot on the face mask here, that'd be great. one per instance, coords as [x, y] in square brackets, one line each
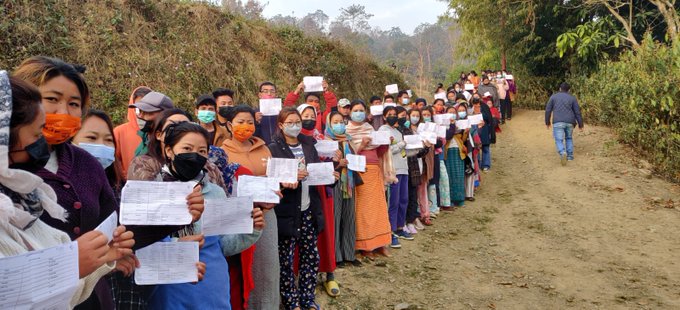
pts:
[407, 124]
[338, 129]
[224, 111]
[141, 123]
[427, 119]
[405, 101]
[415, 119]
[144, 125]
[38, 155]
[462, 114]
[358, 116]
[292, 130]
[243, 132]
[458, 90]
[402, 121]
[186, 166]
[470, 110]
[103, 153]
[308, 124]
[60, 127]
[391, 120]
[206, 116]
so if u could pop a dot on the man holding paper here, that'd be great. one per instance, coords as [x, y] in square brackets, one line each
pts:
[313, 99]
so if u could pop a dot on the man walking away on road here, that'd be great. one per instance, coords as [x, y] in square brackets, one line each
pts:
[565, 114]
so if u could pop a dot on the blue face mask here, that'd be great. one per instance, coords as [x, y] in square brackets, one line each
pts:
[206, 116]
[405, 101]
[415, 119]
[103, 153]
[338, 129]
[462, 115]
[358, 116]
[407, 124]
[427, 119]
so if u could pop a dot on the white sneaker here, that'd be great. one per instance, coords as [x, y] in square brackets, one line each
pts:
[411, 229]
[419, 225]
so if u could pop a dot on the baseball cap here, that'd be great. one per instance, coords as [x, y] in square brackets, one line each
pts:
[487, 94]
[205, 99]
[153, 102]
[343, 102]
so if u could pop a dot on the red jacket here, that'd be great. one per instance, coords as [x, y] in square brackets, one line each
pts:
[331, 102]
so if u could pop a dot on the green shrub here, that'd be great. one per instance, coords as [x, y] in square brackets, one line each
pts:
[636, 96]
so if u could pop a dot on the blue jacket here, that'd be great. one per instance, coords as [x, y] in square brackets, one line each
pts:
[564, 109]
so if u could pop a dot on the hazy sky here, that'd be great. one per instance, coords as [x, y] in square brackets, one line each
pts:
[406, 14]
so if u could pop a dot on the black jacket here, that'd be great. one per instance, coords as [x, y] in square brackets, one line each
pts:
[485, 132]
[288, 211]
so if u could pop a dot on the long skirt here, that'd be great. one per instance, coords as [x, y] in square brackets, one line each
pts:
[444, 194]
[372, 221]
[326, 241]
[345, 231]
[423, 201]
[455, 167]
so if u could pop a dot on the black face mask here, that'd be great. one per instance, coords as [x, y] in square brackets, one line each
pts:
[224, 111]
[148, 126]
[402, 121]
[38, 153]
[308, 124]
[186, 166]
[391, 120]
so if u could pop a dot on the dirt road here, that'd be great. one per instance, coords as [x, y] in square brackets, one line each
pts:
[597, 234]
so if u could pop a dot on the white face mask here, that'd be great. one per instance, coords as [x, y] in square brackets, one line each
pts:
[103, 153]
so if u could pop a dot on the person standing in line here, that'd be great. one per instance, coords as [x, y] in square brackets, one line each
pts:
[565, 112]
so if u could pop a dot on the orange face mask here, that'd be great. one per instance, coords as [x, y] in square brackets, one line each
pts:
[243, 132]
[60, 127]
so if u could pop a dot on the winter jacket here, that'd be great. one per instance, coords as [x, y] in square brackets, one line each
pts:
[491, 88]
[564, 109]
[331, 105]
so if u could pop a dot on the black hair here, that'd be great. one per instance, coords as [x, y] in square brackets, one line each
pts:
[154, 146]
[565, 87]
[357, 102]
[265, 84]
[80, 68]
[473, 73]
[400, 109]
[438, 99]
[140, 92]
[307, 95]
[401, 93]
[476, 101]
[114, 172]
[175, 132]
[374, 98]
[206, 99]
[241, 108]
[388, 96]
[419, 100]
[25, 106]
[388, 109]
[460, 96]
[223, 92]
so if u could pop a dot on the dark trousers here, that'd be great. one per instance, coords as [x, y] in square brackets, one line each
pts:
[506, 108]
[412, 208]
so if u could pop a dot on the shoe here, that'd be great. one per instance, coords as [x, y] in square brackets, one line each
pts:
[340, 265]
[507, 119]
[404, 235]
[470, 198]
[447, 209]
[419, 225]
[426, 222]
[395, 242]
[485, 169]
[433, 215]
[570, 158]
[356, 263]
[411, 229]
[563, 159]
[332, 288]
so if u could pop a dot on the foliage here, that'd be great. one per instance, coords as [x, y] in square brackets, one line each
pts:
[637, 96]
[180, 48]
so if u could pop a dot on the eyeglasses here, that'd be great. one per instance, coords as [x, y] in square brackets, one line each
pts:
[269, 91]
[293, 123]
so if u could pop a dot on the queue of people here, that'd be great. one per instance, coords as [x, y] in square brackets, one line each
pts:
[63, 168]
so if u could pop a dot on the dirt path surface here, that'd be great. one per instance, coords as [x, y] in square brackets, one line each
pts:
[599, 233]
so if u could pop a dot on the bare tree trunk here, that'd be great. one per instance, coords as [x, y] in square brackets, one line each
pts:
[670, 15]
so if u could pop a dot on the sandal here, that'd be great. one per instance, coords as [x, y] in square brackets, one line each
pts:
[427, 222]
[332, 288]
[314, 306]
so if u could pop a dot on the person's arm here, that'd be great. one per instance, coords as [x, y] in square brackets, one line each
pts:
[577, 113]
[451, 131]
[397, 147]
[548, 111]
[234, 244]
[291, 99]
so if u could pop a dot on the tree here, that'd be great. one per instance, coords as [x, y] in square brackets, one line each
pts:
[314, 23]
[281, 20]
[251, 8]
[355, 17]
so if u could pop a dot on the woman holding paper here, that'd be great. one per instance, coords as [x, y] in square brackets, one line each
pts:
[299, 215]
[456, 152]
[433, 166]
[24, 197]
[419, 178]
[372, 221]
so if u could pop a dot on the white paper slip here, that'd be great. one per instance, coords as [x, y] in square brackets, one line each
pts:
[476, 119]
[326, 148]
[377, 109]
[389, 104]
[167, 263]
[441, 131]
[413, 142]
[42, 279]
[155, 203]
[392, 89]
[409, 92]
[441, 95]
[262, 189]
[429, 136]
[509, 77]
[109, 225]
[469, 86]
[313, 83]
[380, 137]
[427, 127]
[229, 216]
[443, 119]
[285, 170]
[270, 107]
[320, 174]
[356, 162]
[462, 124]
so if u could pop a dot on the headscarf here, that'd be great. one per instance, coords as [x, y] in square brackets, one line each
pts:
[30, 196]
[346, 175]
[313, 132]
[358, 132]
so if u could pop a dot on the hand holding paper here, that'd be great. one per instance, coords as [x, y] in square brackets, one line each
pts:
[283, 169]
[313, 84]
[228, 217]
[326, 148]
[413, 142]
[380, 137]
[270, 107]
[392, 88]
[320, 174]
[262, 189]
[155, 203]
[167, 263]
[356, 162]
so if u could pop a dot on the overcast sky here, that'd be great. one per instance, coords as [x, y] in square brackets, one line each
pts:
[406, 14]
